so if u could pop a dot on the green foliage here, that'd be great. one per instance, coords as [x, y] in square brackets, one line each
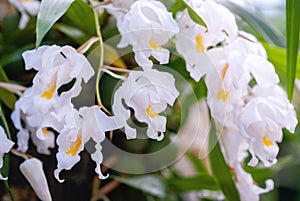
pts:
[292, 28]
[196, 183]
[50, 12]
[150, 184]
[7, 97]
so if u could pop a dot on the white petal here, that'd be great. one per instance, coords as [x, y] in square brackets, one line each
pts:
[262, 70]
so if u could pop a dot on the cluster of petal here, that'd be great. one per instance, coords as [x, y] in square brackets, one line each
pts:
[89, 124]
[42, 106]
[5, 146]
[262, 121]
[148, 93]
[244, 97]
[25, 7]
[147, 26]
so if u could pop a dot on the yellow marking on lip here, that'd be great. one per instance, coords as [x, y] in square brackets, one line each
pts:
[154, 45]
[199, 43]
[266, 141]
[224, 71]
[149, 113]
[48, 94]
[74, 146]
[45, 131]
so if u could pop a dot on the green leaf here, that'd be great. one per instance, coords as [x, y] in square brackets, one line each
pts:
[198, 164]
[50, 11]
[76, 34]
[195, 183]
[7, 97]
[81, 16]
[151, 184]
[292, 30]
[220, 168]
[180, 5]
[263, 28]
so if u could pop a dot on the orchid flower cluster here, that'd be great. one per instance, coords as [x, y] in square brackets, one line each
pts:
[249, 107]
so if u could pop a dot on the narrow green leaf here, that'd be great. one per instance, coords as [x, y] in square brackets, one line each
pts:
[195, 183]
[7, 97]
[50, 11]
[220, 168]
[292, 30]
[263, 28]
[198, 164]
[151, 184]
[180, 5]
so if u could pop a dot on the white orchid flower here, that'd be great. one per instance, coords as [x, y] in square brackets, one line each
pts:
[262, 120]
[147, 93]
[32, 169]
[248, 189]
[87, 124]
[227, 83]
[5, 146]
[194, 40]
[41, 106]
[147, 27]
[26, 6]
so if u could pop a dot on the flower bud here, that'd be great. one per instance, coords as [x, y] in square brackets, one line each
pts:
[33, 171]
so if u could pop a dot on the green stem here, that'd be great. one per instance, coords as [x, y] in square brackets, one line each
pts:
[101, 60]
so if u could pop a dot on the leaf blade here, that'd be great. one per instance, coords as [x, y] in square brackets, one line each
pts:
[151, 184]
[292, 29]
[195, 183]
[220, 168]
[50, 11]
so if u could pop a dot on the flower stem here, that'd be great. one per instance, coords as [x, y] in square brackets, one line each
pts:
[97, 24]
